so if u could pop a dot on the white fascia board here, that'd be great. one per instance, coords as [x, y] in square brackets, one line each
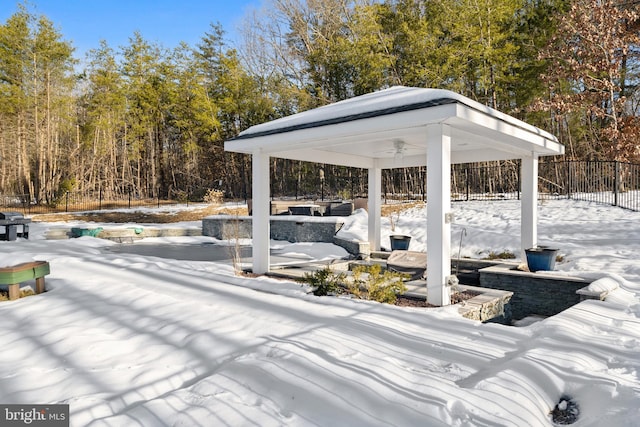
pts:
[316, 137]
[555, 147]
[502, 132]
[235, 147]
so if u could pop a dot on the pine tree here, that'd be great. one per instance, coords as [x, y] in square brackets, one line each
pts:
[36, 73]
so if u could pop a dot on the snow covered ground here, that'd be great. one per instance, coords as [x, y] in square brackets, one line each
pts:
[131, 340]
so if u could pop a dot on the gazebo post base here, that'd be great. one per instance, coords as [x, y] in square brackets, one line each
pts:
[439, 295]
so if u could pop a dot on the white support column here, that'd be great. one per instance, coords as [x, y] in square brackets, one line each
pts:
[438, 214]
[374, 206]
[261, 212]
[529, 203]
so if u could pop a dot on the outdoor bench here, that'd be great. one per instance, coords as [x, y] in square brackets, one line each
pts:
[19, 273]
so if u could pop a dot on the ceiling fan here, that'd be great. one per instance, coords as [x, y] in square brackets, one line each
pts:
[398, 151]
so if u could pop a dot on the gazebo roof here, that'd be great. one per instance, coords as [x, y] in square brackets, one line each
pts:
[387, 129]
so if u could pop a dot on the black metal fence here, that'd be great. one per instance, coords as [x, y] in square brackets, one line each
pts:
[485, 182]
[607, 182]
[81, 201]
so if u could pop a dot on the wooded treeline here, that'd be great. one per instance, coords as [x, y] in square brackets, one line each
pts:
[153, 120]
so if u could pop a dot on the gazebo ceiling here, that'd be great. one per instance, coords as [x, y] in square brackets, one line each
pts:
[387, 129]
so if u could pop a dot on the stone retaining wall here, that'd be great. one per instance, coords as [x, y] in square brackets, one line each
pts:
[226, 227]
[544, 294]
[119, 234]
[290, 228]
[492, 306]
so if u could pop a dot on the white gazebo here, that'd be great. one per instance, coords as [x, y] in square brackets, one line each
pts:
[393, 128]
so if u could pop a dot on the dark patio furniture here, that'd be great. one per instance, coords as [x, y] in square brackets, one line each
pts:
[309, 210]
[408, 262]
[10, 221]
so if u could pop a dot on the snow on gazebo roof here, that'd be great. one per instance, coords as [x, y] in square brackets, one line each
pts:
[396, 99]
[375, 127]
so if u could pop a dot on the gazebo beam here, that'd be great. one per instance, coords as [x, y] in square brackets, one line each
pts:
[326, 157]
[481, 155]
[438, 214]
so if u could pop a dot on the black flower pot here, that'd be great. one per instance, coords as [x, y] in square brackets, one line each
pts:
[399, 242]
[541, 259]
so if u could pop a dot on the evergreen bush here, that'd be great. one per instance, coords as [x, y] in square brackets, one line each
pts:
[367, 282]
[372, 283]
[325, 282]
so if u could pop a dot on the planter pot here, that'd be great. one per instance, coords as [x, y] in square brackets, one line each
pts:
[541, 258]
[79, 232]
[399, 242]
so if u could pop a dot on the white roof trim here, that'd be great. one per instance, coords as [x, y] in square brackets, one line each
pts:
[389, 101]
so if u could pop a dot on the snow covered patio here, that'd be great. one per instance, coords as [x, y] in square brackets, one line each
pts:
[399, 127]
[128, 339]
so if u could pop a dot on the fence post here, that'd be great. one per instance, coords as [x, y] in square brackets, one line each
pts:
[129, 198]
[519, 175]
[466, 178]
[100, 200]
[66, 203]
[352, 184]
[616, 178]
[569, 183]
